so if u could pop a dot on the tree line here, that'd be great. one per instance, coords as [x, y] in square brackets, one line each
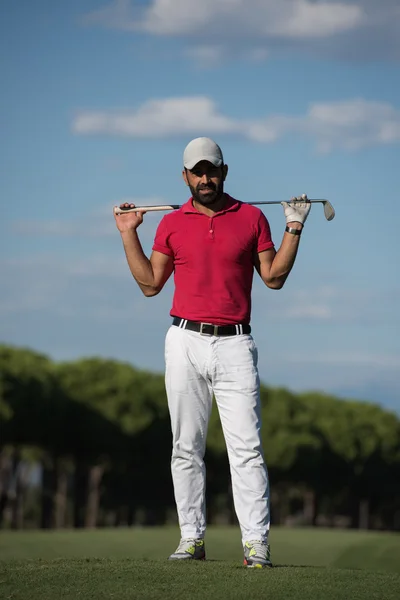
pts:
[96, 433]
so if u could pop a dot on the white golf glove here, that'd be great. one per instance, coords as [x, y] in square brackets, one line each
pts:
[297, 209]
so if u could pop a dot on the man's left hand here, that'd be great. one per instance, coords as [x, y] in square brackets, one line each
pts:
[297, 210]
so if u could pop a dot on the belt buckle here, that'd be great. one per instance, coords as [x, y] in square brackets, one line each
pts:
[210, 325]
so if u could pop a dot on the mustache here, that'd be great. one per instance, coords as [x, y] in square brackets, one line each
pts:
[207, 186]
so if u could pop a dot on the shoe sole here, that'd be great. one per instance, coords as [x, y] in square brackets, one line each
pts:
[256, 565]
[187, 558]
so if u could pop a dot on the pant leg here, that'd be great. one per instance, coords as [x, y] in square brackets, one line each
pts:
[237, 392]
[189, 401]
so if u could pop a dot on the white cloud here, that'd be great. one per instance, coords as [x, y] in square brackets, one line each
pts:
[354, 29]
[329, 305]
[211, 56]
[304, 19]
[290, 19]
[97, 224]
[64, 286]
[353, 124]
[311, 311]
[157, 119]
[207, 55]
[257, 54]
[349, 373]
[103, 266]
[350, 359]
[312, 305]
[349, 124]
[63, 228]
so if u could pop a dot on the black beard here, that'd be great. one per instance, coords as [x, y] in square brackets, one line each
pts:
[210, 200]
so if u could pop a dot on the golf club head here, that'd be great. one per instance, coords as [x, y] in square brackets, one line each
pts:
[329, 211]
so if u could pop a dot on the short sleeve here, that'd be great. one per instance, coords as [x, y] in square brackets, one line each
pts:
[161, 240]
[264, 240]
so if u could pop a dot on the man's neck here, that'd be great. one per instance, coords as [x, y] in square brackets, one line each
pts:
[212, 208]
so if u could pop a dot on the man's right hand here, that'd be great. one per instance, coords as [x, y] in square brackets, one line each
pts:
[129, 221]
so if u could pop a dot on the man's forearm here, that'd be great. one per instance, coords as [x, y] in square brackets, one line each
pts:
[138, 262]
[284, 258]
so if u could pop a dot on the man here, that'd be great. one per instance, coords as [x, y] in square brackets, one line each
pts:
[213, 243]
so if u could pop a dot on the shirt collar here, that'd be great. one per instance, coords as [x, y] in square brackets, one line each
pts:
[231, 204]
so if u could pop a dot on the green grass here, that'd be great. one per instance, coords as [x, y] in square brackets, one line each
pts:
[131, 563]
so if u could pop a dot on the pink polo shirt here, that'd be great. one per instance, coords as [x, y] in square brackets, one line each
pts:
[213, 260]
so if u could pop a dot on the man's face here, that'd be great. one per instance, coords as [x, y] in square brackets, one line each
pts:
[206, 182]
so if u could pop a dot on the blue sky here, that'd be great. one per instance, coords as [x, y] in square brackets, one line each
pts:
[98, 101]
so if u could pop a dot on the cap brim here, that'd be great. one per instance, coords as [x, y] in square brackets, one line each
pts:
[217, 162]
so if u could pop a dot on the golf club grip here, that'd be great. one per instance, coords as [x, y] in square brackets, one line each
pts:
[122, 211]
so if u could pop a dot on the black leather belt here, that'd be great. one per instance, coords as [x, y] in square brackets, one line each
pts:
[210, 329]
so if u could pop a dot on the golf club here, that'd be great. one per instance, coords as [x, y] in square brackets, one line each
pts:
[329, 211]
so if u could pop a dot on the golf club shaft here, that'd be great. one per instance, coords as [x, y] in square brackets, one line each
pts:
[328, 208]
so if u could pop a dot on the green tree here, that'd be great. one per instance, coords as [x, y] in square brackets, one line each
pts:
[29, 413]
[134, 403]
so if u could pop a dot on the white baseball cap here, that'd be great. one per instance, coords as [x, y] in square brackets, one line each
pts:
[202, 148]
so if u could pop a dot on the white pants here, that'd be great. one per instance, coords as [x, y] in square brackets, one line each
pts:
[198, 366]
